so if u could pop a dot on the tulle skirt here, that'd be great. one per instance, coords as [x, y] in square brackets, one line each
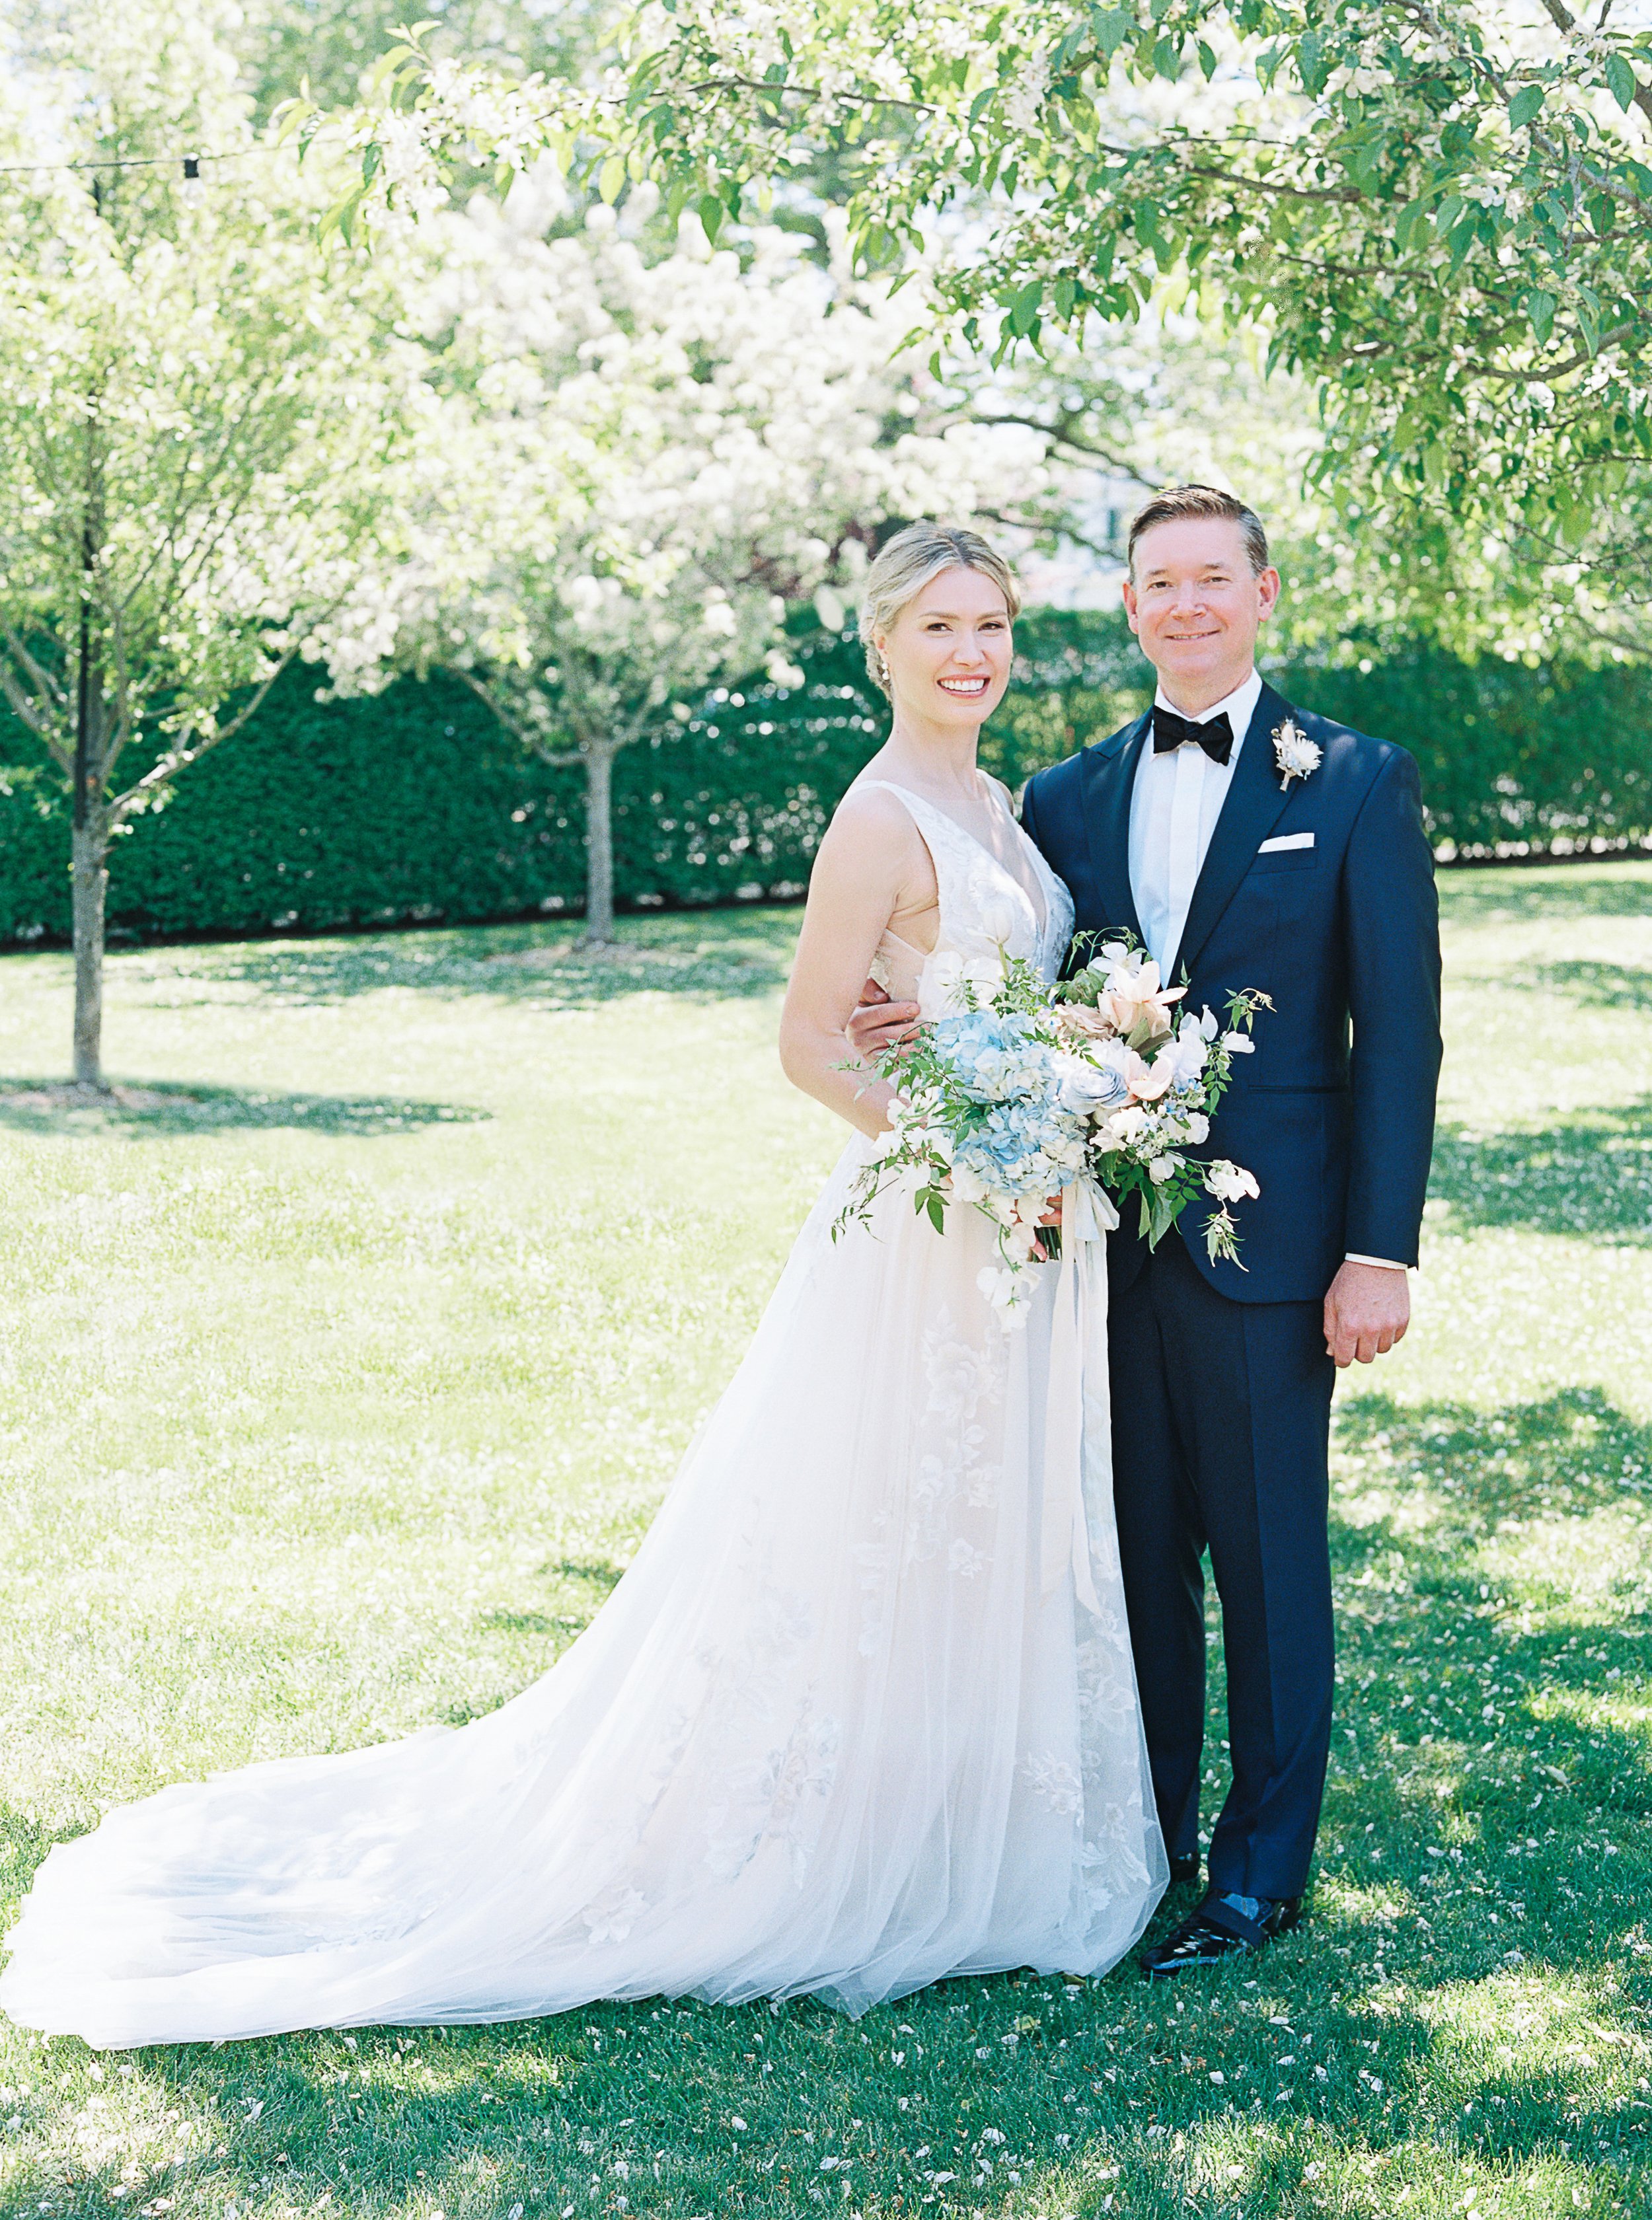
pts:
[861, 1714]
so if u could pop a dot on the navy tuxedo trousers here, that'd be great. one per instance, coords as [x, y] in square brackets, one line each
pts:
[1221, 1417]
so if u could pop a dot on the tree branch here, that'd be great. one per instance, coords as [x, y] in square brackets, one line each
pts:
[1345, 196]
[524, 734]
[812, 92]
[18, 699]
[1067, 439]
[41, 679]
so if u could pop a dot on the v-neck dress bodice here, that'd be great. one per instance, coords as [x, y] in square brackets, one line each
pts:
[984, 907]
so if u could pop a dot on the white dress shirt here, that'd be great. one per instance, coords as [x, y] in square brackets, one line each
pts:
[1172, 812]
[1174, 807]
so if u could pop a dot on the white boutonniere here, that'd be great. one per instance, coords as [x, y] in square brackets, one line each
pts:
[1295, 754]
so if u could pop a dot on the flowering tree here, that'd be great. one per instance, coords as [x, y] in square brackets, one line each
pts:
[193, 408]
[649, 455]
[1440, 211]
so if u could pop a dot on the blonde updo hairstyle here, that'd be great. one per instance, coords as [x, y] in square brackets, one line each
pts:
[905, 566]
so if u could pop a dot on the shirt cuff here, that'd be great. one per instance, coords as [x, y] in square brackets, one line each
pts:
[1386, 1263]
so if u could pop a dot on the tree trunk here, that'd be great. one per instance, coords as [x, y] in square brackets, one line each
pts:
[599, 845]
[90, 853]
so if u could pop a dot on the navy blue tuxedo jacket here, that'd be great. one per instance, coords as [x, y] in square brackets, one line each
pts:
[1334, 1113]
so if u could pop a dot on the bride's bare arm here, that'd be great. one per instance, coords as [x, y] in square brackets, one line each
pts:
[871, 867]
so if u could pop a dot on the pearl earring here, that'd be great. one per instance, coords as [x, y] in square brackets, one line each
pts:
[882, 668]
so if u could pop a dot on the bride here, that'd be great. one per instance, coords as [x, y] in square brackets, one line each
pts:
[862, 1713]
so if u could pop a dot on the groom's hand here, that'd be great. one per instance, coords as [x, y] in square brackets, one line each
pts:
[1367, 1310]
[878, 1024]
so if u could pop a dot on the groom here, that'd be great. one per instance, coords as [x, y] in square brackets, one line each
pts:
[1247, 844]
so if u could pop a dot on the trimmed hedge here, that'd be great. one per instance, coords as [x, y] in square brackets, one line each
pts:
[415, 806]
[1514, 761]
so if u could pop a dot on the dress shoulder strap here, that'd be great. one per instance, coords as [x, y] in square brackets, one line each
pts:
[951, 850]
[923, 814]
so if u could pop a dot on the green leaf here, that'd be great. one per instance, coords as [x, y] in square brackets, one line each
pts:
[1112, 29]
[1540, 312]
[611, 177]
[711, 214]
[1408, 224]
[1024, 308]
[1068, 46]
[341, 217]
[1525, 106]
[1462, 240]
[1206, 60]
[1622, 80]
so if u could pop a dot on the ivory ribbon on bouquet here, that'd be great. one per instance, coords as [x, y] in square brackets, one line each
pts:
[1087, 1216]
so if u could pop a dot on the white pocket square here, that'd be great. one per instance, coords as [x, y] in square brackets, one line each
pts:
[1285, 840]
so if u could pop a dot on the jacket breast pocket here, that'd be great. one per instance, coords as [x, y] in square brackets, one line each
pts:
[1284, 859]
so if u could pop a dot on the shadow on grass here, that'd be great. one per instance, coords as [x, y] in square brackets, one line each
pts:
[583, 1584]
[1534, 895]
[713, 954]
[1589, 1177]
[142, 1109]
[1604, 986]
[1462, 2009]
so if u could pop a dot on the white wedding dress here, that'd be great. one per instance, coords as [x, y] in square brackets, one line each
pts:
[861, 1714]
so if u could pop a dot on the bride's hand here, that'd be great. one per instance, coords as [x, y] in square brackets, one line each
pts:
[877, 1023]
[1051, 1217]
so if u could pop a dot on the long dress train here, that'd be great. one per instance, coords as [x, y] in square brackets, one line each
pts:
[861, 1714]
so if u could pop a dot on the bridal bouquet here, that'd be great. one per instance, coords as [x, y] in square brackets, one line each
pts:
[1025, 1090]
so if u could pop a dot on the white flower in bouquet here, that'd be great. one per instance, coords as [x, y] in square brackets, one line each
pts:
[1161, 1168]
[1230, 1183]
[1125, 1125]
[998, 920]
[1186, 1055]
[967, 1186]
[1003, 1288]
[952, 983]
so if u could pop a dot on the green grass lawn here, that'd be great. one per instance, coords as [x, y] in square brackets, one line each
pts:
[344, 1359]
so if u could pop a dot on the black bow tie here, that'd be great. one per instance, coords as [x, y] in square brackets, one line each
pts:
[1170, 731]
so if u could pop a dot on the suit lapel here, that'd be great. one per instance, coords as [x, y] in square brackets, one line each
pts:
[1253, 799]
[1109, 782]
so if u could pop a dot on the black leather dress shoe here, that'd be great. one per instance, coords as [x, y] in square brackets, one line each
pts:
[1219, 1930]
[1183, 1870]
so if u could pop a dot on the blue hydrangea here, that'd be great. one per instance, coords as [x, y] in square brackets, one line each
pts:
[1029, 1142]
